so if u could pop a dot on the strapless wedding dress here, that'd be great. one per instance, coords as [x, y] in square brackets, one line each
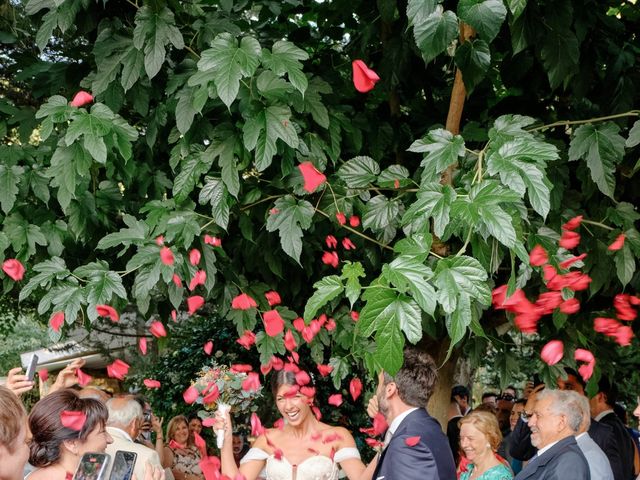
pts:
[317, 467]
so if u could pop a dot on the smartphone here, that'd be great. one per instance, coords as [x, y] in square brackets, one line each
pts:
[31, 368]
[93, 466]
[123, 464]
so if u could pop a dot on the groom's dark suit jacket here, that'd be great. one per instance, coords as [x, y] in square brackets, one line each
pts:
[563, 461]
[430, 459]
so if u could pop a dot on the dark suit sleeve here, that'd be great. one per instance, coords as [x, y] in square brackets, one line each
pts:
[603, 435]
[572, 465]
[520, 447]
[410, 463]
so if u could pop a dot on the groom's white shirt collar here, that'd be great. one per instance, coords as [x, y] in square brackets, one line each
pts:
[396, 421]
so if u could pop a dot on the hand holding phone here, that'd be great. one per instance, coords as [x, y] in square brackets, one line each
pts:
[17, 382]
[93, 466]
[123, 465]
[31, 368]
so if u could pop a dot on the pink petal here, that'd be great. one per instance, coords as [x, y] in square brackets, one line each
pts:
[582, 355]
[552, 352]
[194, 256]
[538, 256]
[190, 395]
[243, 302]
[618, 243]
[14, 269]
[194, 303]
[107, 311]
[81, 98]
[335, 399]
[208, 347]
[56, 321]
[166, 255]
[142, 344]
[73, 419]
[355, 388]
[149, 383]
[118, 369]
[273, 323]
[157, 329]
[43, 373]
[83, 378]
[273, 298]
[312, 177]
[210, 467]
[412, 441]
[364, 79]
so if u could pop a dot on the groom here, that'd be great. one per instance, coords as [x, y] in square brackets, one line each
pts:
[416, 448]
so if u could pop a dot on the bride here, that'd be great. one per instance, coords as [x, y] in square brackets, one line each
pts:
[304, 449]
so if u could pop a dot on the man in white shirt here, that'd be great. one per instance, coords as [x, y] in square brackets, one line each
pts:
[555, 418]
[125, 419]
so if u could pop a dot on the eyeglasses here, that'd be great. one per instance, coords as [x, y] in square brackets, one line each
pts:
[507, 396]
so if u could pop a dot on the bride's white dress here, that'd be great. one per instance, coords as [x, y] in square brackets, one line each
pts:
[317, 467]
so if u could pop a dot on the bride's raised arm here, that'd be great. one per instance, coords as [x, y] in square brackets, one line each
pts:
[253, 464]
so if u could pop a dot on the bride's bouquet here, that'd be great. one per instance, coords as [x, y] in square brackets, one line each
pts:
[220, 388]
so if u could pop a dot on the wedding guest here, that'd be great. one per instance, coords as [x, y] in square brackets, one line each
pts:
[240, 448]
[453, 429]
[305, 448]
[181, 455]
[195, 423]
[480, 437]
[490, 398]
[461, 395]
[56, 450]
[14, 436]
[403, 399]
[599, 465]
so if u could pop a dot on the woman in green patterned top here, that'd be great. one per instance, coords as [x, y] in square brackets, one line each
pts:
[479, 439]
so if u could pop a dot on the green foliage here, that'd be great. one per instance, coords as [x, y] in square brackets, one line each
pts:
[203, 111]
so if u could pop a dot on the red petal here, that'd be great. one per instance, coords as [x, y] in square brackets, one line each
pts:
[308, 392]
[194, 303]
[14, 269]
[81, 98]
[330, 325]
[149, 383]
[331, 258]
[208, 347]
[213, 241]
[355, 316]
[243, 302]
[166, 255]
[538, 256]
[347, 244]
[199, 278]
[570, 306]
[251, 383]
[160, 240]
[412, 441]
[586, 371]
[194, 256]
[303, 378]
[379, 424]
[157, 329]
[279, 424]
[190, 395]
[569, 239]
[177, 281]
[364, 79]
[174, 315]
[212, 395]
[331, 241]
[582, 355]
[210, 467]
[299, 324]
[354, 221]
[83, 378]
[118, 369]
[73, 420]
[324, 370]
[247, 339]
[355, 388]
[341, 218]
[618, 243]
[108, 311]
[240, 368]
[373, 443]
[273, 298]
[335, 399]
[312, 177]
[43, 373]
[273, 323]
[56, 321]
[256, 425]
[570, 261]
[552, 352]
[289, 341]
[142, 345]
[573, 223]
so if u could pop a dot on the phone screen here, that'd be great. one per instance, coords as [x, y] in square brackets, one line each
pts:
[92, 466]
[31, 368]
[123, 465]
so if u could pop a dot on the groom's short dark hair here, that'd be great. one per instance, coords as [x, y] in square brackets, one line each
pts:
[416, 379]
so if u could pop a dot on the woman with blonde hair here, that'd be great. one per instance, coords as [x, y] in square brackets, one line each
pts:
[180, 454]
[479, 440]
[14, 436]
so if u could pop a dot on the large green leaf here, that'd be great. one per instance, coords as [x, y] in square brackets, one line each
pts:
[521, 165]
[229, 62]
[433, 201]
[408, 274]
[516, 7]
[136, 233]
[419, 10]
[47, 273]
[461, 275]
[262, 130]
[193, 167]
[442, 149]
[380, 212]
[625, 264]
[486, 16]
[325, 290]
[458, 321]
[486, 198]
[24, 236]
[634, 135]
[215, 192]
[154, 30]
[9, 180]
[602, 148]
[435, 32]
[285, 57]
[473, 58]
[289, 217]
[359, 172]
[352, 272]
[560, 50]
